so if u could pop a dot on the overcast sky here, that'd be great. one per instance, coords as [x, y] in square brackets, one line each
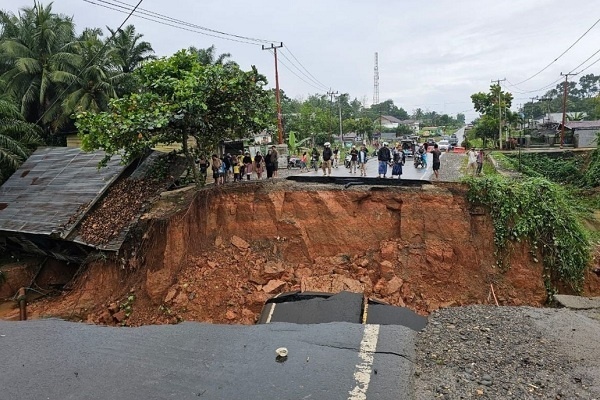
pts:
[432, 54]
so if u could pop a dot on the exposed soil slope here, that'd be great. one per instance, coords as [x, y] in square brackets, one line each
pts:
[218, 254]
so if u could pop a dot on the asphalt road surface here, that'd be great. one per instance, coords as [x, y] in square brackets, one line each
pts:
[53, 359]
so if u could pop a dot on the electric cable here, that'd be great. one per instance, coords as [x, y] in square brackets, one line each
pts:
[562, 54]
[302, 72]
[295, 58]
[123, 7]
[298, 76]
[173, 25]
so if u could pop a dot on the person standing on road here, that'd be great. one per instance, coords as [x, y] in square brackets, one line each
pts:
[384, 156]
[258, 165]
[472, 160]
[247, 164]
[436, 153]
[353, 159]
[216, 166]
[274, 161]
[327, 155]
[203, 165]
[268, 164]
[399, 159]
[335, 157]
[480, 157]
[362, 160]
[314, 159]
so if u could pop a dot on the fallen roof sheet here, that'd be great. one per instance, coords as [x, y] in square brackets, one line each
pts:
[49, 193]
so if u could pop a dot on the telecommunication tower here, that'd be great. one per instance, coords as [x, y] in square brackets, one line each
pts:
[376, 81]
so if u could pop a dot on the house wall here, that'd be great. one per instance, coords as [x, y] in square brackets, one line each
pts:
[586, 138]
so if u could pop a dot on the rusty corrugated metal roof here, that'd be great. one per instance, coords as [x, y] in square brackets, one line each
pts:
[49, 193]
[583, 124]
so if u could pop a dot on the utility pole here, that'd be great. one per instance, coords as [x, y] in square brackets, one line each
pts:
[547, 100]
[340, 111]
[532, 113]
[279, 124]
[331, 93]
[564, 116]
[499, 109]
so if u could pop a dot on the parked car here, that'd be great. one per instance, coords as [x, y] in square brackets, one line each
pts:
[444, 145]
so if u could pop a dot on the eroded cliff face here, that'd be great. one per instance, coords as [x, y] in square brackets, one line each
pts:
[222, 255]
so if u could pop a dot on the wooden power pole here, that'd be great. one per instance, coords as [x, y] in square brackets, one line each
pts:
[277, 97]
[564, 116]
[499, 110]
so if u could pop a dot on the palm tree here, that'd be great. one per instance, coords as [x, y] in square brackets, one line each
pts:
[17, 138]
[93, 85]
[128, 52]
[207, 56]
[36, 60]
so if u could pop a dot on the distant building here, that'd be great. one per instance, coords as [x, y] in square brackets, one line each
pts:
[387, 121]
[585, 133]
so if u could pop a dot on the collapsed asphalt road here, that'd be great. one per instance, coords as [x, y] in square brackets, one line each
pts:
[53, 359]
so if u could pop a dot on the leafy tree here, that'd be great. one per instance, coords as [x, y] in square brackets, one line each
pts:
[180, 98]
[490, 104]
[403, 130]
[17, 138]
[364, 126]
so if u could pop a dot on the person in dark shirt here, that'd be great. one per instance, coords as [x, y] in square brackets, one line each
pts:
[384, 156]
[436, 153]
[258, 165]
[327, 155]
[274, 161]
[247, 160]
[353, 159]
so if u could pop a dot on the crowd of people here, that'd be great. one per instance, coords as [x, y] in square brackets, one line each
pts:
[237, 167]
[243, 166]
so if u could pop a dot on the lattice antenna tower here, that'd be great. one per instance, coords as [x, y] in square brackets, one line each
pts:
[376, 81]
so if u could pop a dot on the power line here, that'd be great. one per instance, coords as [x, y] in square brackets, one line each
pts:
[298, 76]
[589, 66]
[152, 19]
[186, 26]
[302, 72]
[89, 62]
[562, 54]
[586, 60]
[162, 16]
[292, 54]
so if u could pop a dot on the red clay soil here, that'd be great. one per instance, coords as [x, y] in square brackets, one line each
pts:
[218, 254]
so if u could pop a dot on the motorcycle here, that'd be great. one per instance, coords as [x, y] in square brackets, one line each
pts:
[348, 161]
[420, 160]
[294, 162]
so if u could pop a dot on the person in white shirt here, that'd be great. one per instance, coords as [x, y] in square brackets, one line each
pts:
[472, 163]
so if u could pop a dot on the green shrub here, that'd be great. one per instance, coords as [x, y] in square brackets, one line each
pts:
[539, 211]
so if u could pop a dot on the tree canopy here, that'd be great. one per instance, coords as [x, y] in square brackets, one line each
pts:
[178, 98]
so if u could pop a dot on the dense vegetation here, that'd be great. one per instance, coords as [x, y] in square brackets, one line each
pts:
[541, 212]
